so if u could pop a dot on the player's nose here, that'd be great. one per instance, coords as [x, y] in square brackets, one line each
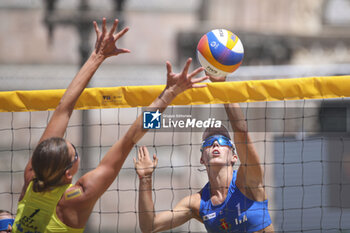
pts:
[215, 144]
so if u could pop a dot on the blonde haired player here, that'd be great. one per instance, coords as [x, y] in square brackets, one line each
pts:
[49, 202]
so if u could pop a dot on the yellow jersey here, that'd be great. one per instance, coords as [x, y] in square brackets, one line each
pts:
[36, 212]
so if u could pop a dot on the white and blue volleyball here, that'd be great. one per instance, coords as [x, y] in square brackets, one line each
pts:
[220, 52]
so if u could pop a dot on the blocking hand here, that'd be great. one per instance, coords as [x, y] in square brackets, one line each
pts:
[180, 82]
[106, 41]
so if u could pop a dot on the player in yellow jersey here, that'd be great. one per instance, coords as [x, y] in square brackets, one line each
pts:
[49, 202]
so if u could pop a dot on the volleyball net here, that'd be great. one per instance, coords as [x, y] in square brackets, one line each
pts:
[299, 127]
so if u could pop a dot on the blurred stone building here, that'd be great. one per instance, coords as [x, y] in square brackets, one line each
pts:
[282, 39]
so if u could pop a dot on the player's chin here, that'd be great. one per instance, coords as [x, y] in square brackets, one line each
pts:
[219, 162]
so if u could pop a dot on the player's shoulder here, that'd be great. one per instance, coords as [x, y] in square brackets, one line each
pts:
[74, 192]
[196, 197]
[191, 201]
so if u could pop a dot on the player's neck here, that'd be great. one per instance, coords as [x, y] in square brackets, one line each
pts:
[220, 180]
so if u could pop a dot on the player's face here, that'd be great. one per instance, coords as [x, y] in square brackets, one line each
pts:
[217, 150]
[74, 165]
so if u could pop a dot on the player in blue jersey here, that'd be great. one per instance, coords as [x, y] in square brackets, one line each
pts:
[232, 201]
[6, 221]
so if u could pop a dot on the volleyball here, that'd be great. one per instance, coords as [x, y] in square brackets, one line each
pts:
[220, 52]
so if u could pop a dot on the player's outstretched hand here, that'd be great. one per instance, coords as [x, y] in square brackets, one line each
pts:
[143, 164]
[106, 41]
[179, 82]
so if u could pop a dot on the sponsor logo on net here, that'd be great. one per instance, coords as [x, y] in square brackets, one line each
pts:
[155, 120]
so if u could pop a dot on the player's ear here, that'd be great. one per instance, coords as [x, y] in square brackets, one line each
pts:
[234, 159]
[67, 175]
[201, 159]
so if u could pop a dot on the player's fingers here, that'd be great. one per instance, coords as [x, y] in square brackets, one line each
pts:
[96, 28]
[145, 152]
[120, 34]
[155, 160]
[198, 80]
[187, 66]
[104, 27]
[217, 79]
[168, 67]
[139, 153]
[115, 24]
[198, 85]
[122, 51]
[195, 72]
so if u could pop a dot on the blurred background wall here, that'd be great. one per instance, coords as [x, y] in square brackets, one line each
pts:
[43, 44]
[58, 35]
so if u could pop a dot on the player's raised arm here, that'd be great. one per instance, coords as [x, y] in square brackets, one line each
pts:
[99, 179]
[55, 160]
[250, 173]
[105, 47]
[165, 220]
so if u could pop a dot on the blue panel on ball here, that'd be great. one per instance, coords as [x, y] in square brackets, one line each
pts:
[221, 53]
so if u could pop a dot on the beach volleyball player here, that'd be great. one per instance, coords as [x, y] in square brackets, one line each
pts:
[49, 202]
[232, 200]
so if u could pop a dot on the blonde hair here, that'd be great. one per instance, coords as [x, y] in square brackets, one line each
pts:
[49, 162]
